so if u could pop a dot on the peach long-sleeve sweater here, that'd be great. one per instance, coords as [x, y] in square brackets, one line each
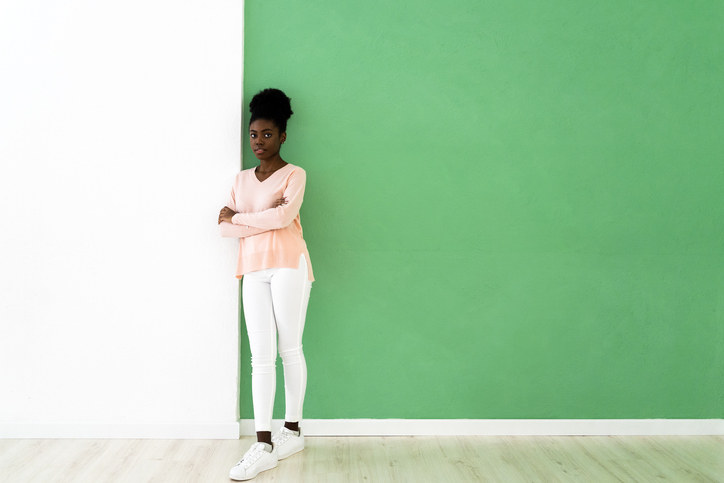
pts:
[268, 237]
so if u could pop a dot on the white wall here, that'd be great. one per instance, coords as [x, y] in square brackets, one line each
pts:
[119, 139]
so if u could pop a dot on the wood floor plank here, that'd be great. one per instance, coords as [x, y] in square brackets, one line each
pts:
[32, 461]
[686, 458]
[505, 459]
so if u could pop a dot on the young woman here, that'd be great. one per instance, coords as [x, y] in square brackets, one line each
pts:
[263, 212]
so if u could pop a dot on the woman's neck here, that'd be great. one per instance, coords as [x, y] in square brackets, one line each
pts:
[270, 165]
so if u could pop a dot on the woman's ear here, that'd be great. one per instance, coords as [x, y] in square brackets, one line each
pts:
[283, 137]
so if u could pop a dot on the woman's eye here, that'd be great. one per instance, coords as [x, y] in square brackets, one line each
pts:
[267, 135]
[252, 135]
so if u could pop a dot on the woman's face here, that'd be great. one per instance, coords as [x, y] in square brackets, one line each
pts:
[265, 139]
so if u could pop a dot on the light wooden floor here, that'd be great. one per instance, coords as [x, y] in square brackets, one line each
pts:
[508, 459]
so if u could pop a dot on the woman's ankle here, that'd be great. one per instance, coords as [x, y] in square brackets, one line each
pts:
[292, 426]
[264, 437]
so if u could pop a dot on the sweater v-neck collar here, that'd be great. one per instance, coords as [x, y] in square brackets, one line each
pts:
[253, 173]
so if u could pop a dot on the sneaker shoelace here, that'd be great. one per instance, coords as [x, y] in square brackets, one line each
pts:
[283, 435]
[252, 455]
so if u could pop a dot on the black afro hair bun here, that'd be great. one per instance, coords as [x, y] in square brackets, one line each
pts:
[273, 105]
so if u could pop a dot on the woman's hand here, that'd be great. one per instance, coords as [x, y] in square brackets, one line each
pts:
[226, 214]
[279, 202]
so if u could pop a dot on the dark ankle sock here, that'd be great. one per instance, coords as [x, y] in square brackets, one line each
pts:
[292, 426]
[264, 437]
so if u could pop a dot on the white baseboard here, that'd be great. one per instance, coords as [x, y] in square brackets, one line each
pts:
[119, 430]
[369, 427]
[500, 427]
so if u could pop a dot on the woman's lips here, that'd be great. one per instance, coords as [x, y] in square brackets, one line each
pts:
[258, 151]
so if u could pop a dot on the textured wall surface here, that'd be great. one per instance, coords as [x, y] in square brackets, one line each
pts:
[513, 209]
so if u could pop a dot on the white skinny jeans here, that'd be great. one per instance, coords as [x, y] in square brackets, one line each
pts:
[275, 302]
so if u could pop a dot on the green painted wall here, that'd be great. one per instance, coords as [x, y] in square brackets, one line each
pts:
[514, 209]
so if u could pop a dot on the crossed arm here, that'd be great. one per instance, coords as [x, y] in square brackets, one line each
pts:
[241, 225]
[228, 229]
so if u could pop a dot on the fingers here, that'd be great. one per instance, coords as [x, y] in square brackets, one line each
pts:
[225, 214]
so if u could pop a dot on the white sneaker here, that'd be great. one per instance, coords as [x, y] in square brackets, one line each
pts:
[288, 442]
[254, 461]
